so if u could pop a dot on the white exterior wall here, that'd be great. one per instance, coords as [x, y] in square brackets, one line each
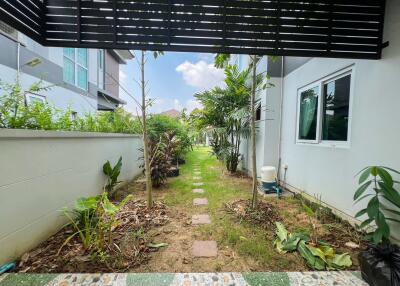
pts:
[375, 117]
[58, 96]
[267, 134]
[44, 171]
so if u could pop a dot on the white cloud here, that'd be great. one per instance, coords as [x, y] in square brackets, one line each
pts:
[177, 105]
[201, 74]
[192, 104]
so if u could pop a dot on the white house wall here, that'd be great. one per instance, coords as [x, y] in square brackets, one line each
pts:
[375, 117]
[267, 136]
[58, 96]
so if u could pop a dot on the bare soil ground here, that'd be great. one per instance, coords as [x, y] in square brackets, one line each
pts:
[245, 241]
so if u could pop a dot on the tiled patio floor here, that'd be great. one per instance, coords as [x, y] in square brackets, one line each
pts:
[338, 278]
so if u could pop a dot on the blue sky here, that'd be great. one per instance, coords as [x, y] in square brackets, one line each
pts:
[173, 80]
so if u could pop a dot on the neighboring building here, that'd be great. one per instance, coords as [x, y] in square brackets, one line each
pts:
[172, 113]
[86, 80]
[326, 119]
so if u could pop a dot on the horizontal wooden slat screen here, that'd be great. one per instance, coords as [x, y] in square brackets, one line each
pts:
[320, 28]
[26, 16]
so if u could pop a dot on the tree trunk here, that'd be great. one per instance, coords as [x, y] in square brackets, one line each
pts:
[253, 131]
[147, 171]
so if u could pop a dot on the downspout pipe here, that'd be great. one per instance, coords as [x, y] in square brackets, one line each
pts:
[280, 122]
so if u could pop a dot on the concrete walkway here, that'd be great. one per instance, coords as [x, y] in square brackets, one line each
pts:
[331, 278]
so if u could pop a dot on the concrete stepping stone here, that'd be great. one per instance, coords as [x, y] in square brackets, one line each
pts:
[198, 184]
[200, 202]
[198, 173]
[206, 248]
[201, 219]
[196, 178]
[198, 191]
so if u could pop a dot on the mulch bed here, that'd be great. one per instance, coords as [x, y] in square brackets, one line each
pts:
[129, 249]
[264, 215]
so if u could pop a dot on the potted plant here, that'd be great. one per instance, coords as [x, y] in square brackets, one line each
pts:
[380, 262]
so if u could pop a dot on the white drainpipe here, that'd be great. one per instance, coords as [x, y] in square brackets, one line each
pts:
[280, 124]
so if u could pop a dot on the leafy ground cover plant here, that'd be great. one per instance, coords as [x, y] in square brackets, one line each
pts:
[93, 220]
[319, 256]
[112, 174]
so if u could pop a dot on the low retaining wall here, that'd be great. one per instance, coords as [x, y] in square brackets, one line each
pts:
[43, 171]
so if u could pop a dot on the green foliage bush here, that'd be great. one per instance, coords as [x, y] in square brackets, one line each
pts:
[169, 140]
[16, 114]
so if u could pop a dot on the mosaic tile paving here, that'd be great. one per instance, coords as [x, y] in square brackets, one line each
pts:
[339, 278]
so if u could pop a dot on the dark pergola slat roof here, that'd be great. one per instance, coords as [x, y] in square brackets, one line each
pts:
[315, 28]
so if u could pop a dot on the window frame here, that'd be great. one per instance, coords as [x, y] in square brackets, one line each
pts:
[77, 65]
[320, 84]
[29, 96]
[299, 92]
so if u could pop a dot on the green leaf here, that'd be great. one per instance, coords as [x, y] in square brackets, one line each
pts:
[291, 243]
[377, 236]
[341, 261]
[385, 176]
[281, 231]
[382, 225]
[390, 194]
[107, 168]
[361, 212]
[311, 260]
[361, 189]
[373, 207]
[364, 175]
[317, 252]
[390, 169]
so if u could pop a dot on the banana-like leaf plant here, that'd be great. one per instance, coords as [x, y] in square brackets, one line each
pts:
[318, 257]
[112, 174]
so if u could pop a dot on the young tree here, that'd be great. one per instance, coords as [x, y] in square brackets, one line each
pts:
[143, 107]
[253, 130]
[257, 80]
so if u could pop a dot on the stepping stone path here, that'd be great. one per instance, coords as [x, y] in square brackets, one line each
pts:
[198, 191]
[207, 248]
[201, 219]
[200, 202]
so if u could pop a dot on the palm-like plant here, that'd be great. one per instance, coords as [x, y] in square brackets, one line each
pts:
[226, 114]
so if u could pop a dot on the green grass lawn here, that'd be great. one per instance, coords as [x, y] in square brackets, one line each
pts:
[252, 244]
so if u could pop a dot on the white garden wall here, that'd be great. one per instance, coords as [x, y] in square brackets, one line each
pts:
[44, 171]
